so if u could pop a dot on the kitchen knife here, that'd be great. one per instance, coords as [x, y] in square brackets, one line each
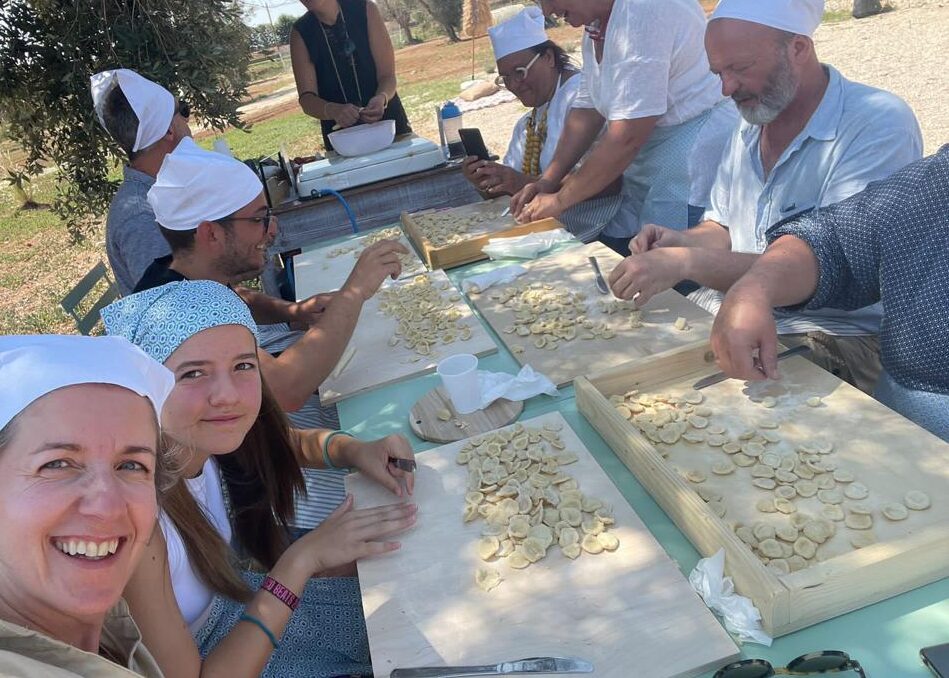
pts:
[705, 382]
[600, 282]
[531, 665]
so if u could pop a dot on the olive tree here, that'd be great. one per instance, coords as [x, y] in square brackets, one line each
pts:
[50, 48]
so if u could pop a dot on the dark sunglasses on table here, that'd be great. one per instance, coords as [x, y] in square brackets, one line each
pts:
[815, 663]
[265, 220]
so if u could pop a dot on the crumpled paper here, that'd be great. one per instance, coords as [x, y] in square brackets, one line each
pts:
[525, 246]
[740, 615]
[525, 384]
[482, 281]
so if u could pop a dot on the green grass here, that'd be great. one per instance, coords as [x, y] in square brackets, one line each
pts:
[297, 131]
[836, 16]
[419, 98]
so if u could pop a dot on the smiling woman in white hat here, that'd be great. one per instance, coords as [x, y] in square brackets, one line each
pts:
[79, 456]
[646, 77]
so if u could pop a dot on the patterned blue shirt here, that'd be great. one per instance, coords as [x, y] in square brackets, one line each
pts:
[890, 243]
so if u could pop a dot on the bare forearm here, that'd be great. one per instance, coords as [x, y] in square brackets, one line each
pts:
[787, 273]
[265, 308]
[386, 86]
[708, 234]
[579, 132]
[715, 268]
[309, 443]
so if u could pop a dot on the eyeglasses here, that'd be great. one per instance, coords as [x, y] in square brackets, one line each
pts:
[183, 109]
[518, 76]
[825, 661]
[265, 220]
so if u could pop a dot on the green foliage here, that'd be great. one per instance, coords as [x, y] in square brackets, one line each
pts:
[49, 49]
[284, 24]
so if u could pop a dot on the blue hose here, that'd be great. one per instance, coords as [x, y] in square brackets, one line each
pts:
[320, 192]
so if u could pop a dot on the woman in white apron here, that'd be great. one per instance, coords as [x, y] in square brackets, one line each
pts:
[646, 76]
[539, 73]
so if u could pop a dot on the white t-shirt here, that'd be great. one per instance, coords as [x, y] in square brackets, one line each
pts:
[559, 106]
[654, 63]
[193, 596]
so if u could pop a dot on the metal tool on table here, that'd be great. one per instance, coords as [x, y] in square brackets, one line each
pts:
[705, 382]
[600, 282]
[528, 666]
[507, 210]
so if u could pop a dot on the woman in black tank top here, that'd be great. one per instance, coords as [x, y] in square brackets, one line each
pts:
[344, 65]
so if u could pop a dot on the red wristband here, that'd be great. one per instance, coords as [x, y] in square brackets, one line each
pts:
[280, 592]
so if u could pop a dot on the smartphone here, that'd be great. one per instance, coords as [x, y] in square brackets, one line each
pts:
[474, 144]
[936, 658]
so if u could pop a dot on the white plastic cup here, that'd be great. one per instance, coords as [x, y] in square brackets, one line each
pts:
[459, 375]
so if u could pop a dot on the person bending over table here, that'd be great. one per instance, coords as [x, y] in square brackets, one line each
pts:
[886, 244]
[239, 481]
[79, 459]
[344, 66]
[539, 73]
[645, 74]
[810, 138]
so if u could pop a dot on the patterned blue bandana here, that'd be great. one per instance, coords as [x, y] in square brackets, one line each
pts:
[159, 320]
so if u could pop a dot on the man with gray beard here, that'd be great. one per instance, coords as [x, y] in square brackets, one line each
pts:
[810, 138]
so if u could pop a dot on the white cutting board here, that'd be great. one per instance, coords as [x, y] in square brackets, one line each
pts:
[375, 363]
[315, 270]
[630, 612]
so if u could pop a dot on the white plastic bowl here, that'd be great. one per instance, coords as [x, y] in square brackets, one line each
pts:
[363, 139]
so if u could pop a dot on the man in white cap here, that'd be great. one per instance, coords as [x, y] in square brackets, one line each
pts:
[211, 209]
[810, 138]
[147, 122]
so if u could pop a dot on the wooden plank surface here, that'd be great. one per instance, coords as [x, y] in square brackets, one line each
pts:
[624, 611]
[325, 269]
[375, 363]
[476, 237]
[570, 270]
[886, 452]
[426, 424]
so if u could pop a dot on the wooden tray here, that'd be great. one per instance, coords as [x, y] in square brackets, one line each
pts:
[425, 423]
[571, 270]
[325, 269]
[375, 363]
[496, 226]
[883, 450]
[630, 612]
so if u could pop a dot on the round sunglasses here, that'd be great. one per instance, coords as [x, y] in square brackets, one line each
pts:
[825, 661]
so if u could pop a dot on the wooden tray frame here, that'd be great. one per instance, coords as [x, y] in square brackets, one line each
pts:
[820, 592]
[468, 251]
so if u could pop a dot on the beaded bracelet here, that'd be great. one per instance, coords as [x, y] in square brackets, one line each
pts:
[280, 592]
[326, 449]
[263, 627]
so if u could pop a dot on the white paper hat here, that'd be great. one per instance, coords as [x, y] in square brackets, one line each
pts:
[153, 104]
[194, 185]
[524, 29]
[32, 366]
[801, 17]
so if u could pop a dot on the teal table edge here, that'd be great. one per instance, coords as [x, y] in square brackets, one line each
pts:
[885, 637]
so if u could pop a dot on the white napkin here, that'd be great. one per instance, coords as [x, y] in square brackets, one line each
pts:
[526, 384]
[482, 281]
[740, 615]
[525, 246]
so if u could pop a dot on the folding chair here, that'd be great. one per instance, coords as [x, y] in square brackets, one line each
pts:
[76, 301]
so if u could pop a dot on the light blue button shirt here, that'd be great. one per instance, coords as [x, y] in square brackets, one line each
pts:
[858, 134]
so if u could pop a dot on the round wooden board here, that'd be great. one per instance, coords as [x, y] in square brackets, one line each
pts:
[423, 418]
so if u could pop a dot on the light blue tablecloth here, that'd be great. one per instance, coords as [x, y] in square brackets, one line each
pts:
[885, 638]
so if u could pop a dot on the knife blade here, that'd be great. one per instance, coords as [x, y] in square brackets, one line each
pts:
[705, 382]
[528, 666]
[600, 282]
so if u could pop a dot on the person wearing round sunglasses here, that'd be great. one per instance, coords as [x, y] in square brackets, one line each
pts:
[539, 73]
[344, 66]
[646, 78]
[811, 664]
[147, 121]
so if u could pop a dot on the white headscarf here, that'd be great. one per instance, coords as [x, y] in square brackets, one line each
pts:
[153, 104]
[194, 185]
[801, 17]
[33, 365]
[523, 30]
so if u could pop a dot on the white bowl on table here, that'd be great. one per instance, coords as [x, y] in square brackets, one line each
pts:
[363, 139]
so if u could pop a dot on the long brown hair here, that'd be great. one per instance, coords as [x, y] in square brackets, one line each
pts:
[262, 477]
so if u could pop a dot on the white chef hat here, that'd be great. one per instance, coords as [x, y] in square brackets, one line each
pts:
[153, 104]
[194, 185]
[33, 365]
[801, 17]
[524, 29]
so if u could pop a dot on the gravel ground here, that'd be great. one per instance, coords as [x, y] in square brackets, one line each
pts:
[901, 51]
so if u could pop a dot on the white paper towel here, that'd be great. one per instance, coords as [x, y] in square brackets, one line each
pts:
[482, 281]
[525, 384]
[525, 246]
[740, 615]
